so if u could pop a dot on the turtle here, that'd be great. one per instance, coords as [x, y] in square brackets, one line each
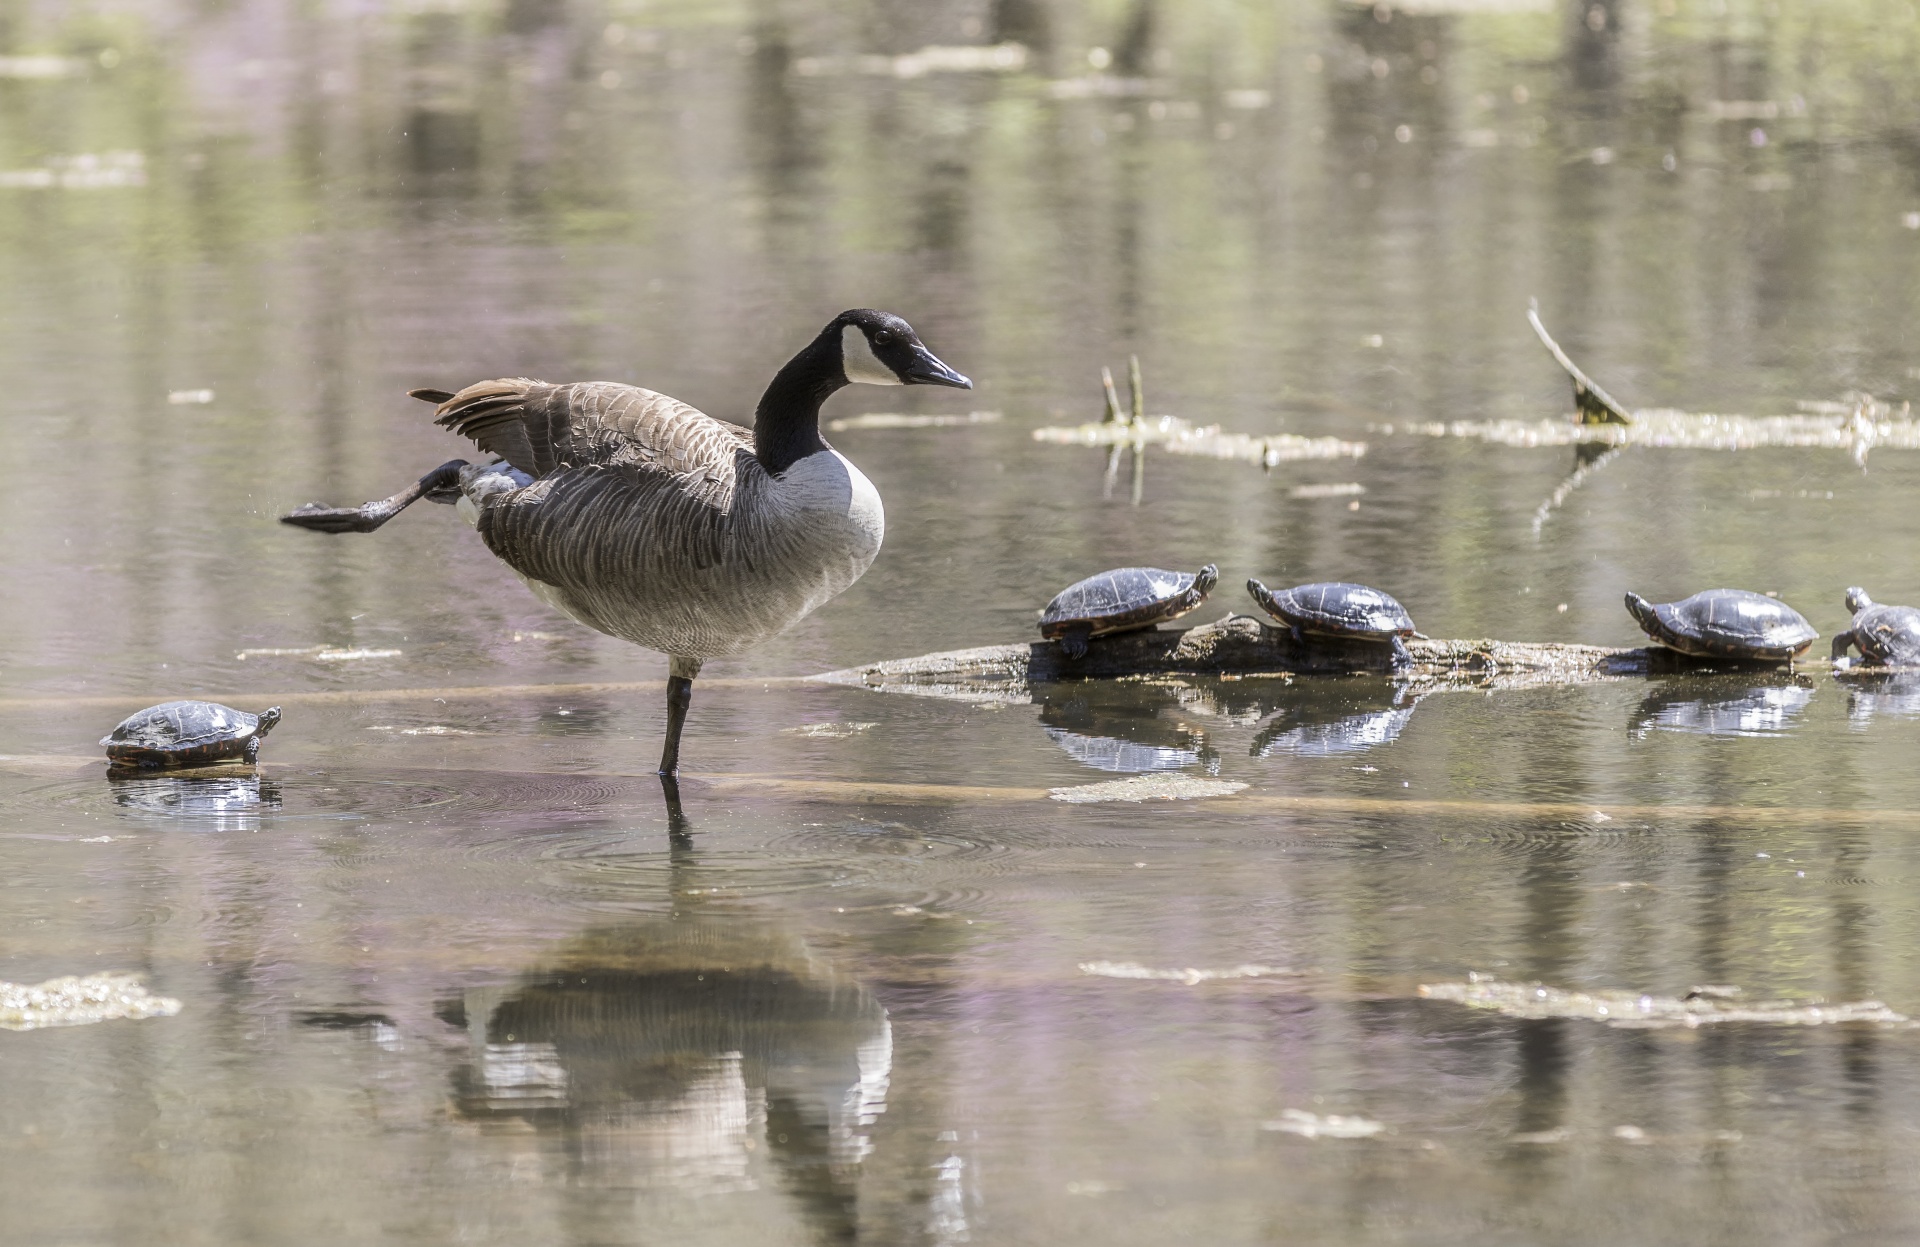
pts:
[188, 733]
[1122, 600]
[1726, 623]
[1338, 608]
[1888, 636]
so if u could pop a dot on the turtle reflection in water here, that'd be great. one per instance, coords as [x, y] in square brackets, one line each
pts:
[1723, 708]
[188, 733]
[1895, 694]
[1128, 727]
[220, 802]
[691, 1055]
[1317, 726]
[1732, 624]
[1125, 599]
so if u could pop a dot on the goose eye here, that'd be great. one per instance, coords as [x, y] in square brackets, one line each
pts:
[882, 336]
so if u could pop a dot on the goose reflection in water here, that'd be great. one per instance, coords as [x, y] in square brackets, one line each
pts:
[232, 802]
[688, 1055]
[1895, 694]
[1129, 727]
[1318, 726]
[1722, 708]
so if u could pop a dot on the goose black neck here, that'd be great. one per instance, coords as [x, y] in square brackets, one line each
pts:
[786, 426]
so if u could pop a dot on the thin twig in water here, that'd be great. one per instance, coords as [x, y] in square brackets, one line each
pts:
[1114, 416]
[1592, 404]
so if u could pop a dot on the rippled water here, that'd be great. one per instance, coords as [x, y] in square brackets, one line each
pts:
[449, 971]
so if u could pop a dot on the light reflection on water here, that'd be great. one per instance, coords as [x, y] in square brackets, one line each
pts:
[289, 216]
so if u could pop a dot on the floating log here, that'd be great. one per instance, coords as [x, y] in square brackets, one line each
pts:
[1240, 645]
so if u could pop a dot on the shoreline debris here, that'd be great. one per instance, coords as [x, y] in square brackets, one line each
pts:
[1154, 786]
[1703, 1006]
[1190, 976]
[77, 1000]
[1133, 430]
[1332, 1126]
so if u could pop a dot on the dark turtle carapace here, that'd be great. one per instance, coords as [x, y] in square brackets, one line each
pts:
[1336, 608]
[1887, 636]
[188, 733]
[1726, 623]
[1122, 600]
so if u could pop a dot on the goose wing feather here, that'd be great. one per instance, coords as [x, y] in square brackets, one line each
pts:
[538, 427]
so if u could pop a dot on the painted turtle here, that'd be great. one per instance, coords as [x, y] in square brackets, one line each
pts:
[188, 733]
[1122, 600]
[1339, 609]
[1888, 636]
[1726, 623]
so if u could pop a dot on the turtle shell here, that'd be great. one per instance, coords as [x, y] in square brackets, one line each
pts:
[1887, 635]
[186, 733]
[1726, 623]
[1335, 608]
[1126, 598]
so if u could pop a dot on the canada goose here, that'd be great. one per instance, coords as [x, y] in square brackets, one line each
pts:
[650, 521]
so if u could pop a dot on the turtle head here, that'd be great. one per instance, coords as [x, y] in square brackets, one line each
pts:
[879, 348]
[1642, 611]
[268, 717]
[1203, 582]
[1857, 600]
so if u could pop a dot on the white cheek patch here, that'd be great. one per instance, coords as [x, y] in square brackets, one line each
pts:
[859, 362]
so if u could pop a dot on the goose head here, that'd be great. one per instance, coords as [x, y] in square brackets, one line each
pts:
[878, 348]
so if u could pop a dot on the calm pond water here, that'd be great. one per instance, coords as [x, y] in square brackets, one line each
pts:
[448, 973]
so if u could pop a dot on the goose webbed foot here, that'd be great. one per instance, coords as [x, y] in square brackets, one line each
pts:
[440, 485]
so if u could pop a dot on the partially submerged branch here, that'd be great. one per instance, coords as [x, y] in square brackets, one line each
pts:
[1241, 645]
[1593, 404]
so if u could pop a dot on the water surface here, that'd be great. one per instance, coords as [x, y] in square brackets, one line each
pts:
[448, 969]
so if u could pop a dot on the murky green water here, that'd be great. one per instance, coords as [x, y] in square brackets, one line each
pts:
[446, 971]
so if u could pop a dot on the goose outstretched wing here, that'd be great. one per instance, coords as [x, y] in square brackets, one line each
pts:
[538, 427]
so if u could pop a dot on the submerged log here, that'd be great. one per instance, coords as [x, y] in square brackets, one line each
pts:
[1240, 645]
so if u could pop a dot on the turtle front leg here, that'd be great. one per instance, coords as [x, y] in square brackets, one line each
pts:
[1401, 656]
[1073, 642]
[252, 754]
[441, 483]
[1840, 643]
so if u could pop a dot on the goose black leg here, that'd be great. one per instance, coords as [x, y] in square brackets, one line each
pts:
[679, 831]
[440, 485]
[679, 697]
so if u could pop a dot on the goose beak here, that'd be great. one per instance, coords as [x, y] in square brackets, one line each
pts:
[926, 369]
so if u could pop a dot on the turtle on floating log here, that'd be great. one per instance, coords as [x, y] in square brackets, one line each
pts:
[1125, 599]
[1731, 624]
[1339, 608]
[1887, 636]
